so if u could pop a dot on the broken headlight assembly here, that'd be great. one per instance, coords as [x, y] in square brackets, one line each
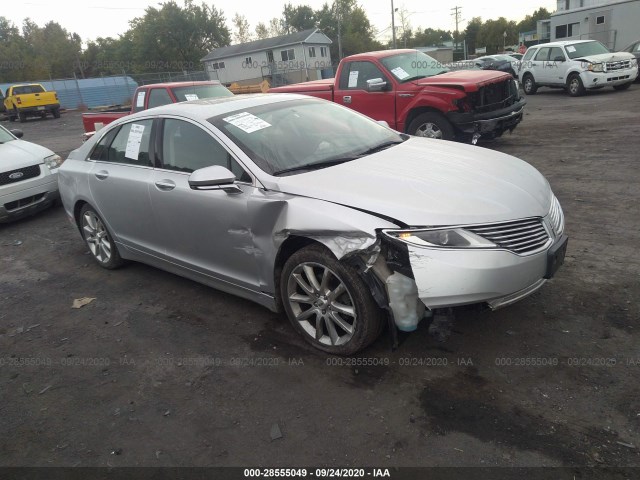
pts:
[441, 237]
[53, 161]
[597, 67]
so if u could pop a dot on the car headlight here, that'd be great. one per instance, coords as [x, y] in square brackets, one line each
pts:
[444, 237]
[53, 161]
[634, 62]
[556, 216]
[596, 67]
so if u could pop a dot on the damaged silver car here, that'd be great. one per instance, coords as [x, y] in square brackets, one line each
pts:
[312, 209]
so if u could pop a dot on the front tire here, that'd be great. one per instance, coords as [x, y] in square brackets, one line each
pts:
[529, 84]
[431, 125]
[624, 86]
[328, 303]
[100, 242]
[575, 87]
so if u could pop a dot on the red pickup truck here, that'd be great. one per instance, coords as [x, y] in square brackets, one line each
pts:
[416, 94]
[154, 95]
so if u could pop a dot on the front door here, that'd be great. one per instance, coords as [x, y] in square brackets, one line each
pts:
[204, 230]
[352, 92]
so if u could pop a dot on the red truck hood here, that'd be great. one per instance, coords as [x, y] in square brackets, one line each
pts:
[470, 80]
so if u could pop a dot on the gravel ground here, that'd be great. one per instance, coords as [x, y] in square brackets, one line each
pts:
[161, 371]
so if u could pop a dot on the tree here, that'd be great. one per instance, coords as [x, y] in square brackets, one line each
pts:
[530, 22]
[492, 36]
[171, 37]
[471, 34]
[262, 31]
[298, 18]
[242, 33]
[276, 28]
[404, 25]
[431, 37]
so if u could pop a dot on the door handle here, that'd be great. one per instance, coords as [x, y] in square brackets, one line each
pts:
[346, 99]
[165, 185]
[101, 175]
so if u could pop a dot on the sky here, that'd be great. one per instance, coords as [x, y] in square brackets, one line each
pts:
[109, 18]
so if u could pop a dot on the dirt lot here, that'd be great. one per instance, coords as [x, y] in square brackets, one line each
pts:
[161, 371]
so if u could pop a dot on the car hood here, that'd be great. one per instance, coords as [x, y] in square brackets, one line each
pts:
[19, 154]
[470, 80]
[606, 57]
[426, 182]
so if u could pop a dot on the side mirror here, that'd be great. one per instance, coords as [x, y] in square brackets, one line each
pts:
[213, 178]
[16, 132]
[559, 58]
[376, 85]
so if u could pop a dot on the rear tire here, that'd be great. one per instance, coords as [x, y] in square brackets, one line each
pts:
[624, 86]
[431, 125]
[13, 115]
[56, 113]
[100, 242]
[327, 302]
[529, 84]
[22, 116]
[575, 87]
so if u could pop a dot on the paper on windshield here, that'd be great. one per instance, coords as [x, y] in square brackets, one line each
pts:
[134, 141]
[353, 79]
[140, 99]
[571, 49]
[247, 122]
[191, 96]
[400, 72]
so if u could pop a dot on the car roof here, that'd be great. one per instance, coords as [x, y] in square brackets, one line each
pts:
[181, 84]
[561, 43]
[206, 108]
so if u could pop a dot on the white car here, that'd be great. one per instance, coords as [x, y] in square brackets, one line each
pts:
[313, 209]
[28, 176]
[577, 66]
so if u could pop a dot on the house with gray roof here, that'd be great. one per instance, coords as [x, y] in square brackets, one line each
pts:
[293, 58]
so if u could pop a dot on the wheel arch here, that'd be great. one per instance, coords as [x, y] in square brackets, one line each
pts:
[416, 112]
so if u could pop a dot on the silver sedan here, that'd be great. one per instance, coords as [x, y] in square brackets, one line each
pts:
[312, 209]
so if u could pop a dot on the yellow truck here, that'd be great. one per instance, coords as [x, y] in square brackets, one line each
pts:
[30, 100]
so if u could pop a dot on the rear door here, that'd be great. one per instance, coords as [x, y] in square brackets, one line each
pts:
[119, 183]
[352, 92]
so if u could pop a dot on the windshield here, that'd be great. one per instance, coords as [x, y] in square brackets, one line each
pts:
[196, 92]
[5, 136]
[585, 49]
[297, 134]
[411, 66]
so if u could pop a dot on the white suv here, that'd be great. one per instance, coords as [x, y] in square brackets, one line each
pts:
[577, 65]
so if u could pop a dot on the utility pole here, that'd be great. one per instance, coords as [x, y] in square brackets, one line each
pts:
[457, 11]
[393, 24]
[339, 15]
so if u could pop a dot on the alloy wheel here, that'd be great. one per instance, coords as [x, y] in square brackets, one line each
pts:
[96, 236]
[429, 130]
[321, 304]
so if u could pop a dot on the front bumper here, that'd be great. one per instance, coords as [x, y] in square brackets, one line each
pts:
[28, 200]
[490, 123]
[610, 78]
[450, 278]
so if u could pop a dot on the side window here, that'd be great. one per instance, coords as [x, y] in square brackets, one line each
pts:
[529, 54]
[637, 47]
[359, 73]
[131, 144]
[158, 97]
[186, 147]
[556, 52]
[542, 55]
[138, 101]
[101, 149]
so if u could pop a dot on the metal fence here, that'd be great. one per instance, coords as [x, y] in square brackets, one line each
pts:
[80, 93]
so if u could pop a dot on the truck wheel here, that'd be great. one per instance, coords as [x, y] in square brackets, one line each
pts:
[575, 86]
[13, 115]
[328, 303]
[624, 86]
[529, 84]
[431, 125]
[22, 116]
[56, 113]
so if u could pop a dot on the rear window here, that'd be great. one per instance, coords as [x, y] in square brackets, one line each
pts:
[25, 89]
[196, 92]
[529, 54]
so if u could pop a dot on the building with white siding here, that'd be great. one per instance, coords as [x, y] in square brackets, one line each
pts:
[612, 22]
[293, 58]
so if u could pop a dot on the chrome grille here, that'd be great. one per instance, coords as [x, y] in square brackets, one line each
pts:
[13, 176]
[521, 236]
[618, 65]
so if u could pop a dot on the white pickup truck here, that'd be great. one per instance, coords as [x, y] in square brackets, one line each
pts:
[577, 66]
